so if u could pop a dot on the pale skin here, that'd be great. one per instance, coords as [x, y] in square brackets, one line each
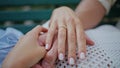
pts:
[71, 26]
[87, 15]
[27, 52]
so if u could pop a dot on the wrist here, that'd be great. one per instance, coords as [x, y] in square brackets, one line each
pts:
[11, 65]
[106, 5]
[90, 12]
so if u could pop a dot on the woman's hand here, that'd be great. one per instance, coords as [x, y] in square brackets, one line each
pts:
[27, 51]
[70, 32]
[51, 56]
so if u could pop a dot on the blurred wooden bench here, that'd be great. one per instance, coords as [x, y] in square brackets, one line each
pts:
[40, 10]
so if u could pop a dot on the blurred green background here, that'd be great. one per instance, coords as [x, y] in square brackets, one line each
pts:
[25, 14]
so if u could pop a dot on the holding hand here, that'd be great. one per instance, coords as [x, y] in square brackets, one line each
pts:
[27, 51]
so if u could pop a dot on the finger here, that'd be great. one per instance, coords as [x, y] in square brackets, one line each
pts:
[89, 41]
[81, 41]
[51, 56]
[39, 29]
[50, 35]
[71, 42]
[37, 66]
[42, 39]
[36, 31]
[61, 41]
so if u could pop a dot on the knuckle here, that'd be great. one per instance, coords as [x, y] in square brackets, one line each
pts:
[70, 19]
[77, 21]
[62, 30]
[50, 57]
[55, 10]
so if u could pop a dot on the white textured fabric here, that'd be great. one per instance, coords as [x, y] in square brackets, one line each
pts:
[107, 4]
[104, 54]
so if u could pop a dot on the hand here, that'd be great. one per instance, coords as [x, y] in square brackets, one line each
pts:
[70, 32]
[51, 56]
[27, 51]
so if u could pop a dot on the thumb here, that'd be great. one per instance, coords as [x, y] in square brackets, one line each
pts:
[35, 32]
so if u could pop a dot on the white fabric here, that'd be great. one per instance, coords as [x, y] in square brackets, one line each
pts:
[107, 4]
[104, 54]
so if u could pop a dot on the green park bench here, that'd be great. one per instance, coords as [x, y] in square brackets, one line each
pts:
[41, 10]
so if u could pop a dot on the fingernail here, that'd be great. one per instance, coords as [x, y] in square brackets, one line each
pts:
[82, 55]
[41, 33]
[71, 61]
[61, 56]
[46, 47]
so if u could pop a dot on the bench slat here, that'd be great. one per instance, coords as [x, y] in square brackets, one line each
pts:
[38, 15]
[25, 15]
[36, 2]
[115, 12]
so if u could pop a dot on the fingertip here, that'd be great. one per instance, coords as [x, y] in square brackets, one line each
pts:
[82, 55]
[71, 61]
[90, 42]
[47, 47]
[61, 56]
[49, 40]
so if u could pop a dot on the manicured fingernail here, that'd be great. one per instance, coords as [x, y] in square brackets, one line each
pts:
[41, 33]
[71, 61]
[82, 55]
[61, 56]
[47, 46]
